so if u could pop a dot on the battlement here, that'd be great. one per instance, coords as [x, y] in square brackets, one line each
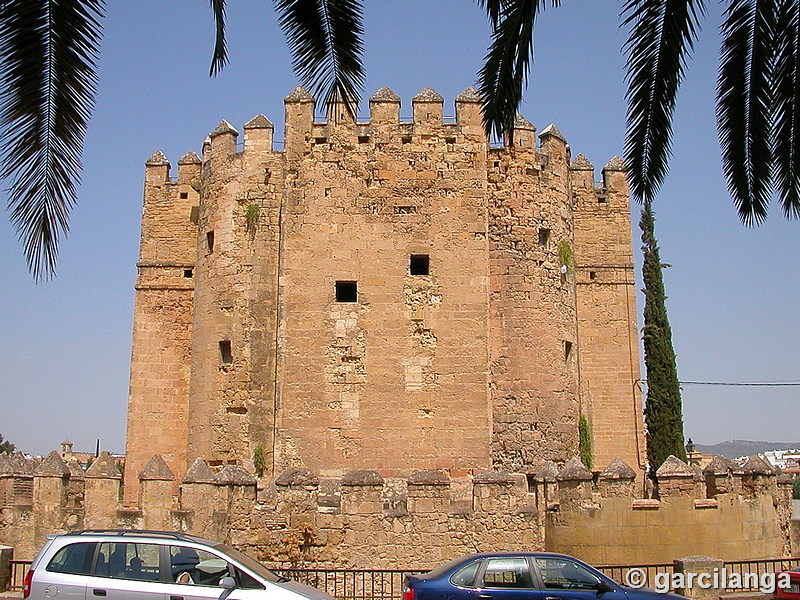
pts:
[362, 519]
[384, 130]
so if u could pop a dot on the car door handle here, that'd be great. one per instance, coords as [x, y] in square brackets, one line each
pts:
[99, 592]
[176, 598]
[485, 596]
[552, 598]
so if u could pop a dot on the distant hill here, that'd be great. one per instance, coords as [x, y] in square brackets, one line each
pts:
[734, 448]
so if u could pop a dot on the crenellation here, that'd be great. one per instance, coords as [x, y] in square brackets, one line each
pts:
[427, 109]
[383, 520]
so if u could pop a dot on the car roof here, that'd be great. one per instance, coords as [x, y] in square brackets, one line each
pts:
[139, 533]
[520, 553]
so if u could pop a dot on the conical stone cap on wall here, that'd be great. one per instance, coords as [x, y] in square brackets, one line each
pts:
[199, 473]
[156, 469]
[720, 465]
[674, 467]
[103, 467]
[574, 470]
[235, 475]
[548, 473]
[618, 469]
[53, 465]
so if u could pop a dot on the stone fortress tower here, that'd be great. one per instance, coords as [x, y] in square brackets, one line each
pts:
[389, 296]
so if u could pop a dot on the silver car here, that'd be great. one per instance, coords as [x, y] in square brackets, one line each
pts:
[139, 565]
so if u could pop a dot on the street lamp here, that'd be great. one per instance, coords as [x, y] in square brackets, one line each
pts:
[690, 447]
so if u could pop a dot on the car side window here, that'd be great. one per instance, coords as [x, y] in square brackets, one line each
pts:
[564, 574]
[124, 560]
[511, 572]
[465, 576]
[245, 581]
[74, 558]
[198, 567]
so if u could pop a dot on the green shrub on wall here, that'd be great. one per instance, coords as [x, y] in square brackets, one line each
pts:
[585, 442]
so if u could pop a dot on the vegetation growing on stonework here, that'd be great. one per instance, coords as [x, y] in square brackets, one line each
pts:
[259, 462]
[251, 215]
[796, 487]
[585, 442]
[663, 413]
[566, 254]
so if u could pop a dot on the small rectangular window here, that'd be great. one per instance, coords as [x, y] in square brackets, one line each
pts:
[592, 275]
[210, 241]
[75, 559]
[188, 273]
[567, 350]
[419, 264]
[184, 195]
[363, 139]
[406, 139]
[544, 237]
[347, 291]
[225, 354]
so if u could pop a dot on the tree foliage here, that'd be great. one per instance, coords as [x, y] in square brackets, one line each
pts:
[758, 97]
[663, 412]
[48, 50]
[585, 442]
[6, 447]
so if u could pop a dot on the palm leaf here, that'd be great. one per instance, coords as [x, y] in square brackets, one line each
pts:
[786, 91]
[493, 9]
[744, 103]
[661, 38]
[325, 39]
[220, 58]
[48, 50]
[505, 71]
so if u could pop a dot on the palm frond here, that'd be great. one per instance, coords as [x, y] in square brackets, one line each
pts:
[48, 50]
[504, 74]
[325, 39]
[744, 104]
[220, 58]
[493, 9]
[786, 90]
[661, 38]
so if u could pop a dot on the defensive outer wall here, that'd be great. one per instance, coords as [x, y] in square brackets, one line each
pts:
[363, 520]
[383, 295]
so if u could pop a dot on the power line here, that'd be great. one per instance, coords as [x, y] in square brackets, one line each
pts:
[744, 384]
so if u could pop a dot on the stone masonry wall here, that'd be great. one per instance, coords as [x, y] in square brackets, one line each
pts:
[381, 295]
[362, 520]
[606, 313]
[162, 323]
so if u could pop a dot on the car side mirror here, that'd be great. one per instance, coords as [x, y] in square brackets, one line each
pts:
[603, 587]
[229, 583]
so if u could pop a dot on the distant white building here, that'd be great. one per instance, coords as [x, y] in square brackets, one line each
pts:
[783, 459]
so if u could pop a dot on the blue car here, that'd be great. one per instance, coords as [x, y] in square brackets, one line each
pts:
[520, 576]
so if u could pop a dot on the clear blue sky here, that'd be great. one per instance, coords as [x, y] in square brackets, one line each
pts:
[64, 356]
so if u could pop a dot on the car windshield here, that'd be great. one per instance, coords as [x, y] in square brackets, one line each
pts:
[251, 564]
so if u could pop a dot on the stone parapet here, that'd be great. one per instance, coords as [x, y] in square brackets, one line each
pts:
[365, 519]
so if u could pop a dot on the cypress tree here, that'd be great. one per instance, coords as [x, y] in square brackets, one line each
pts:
[663, 413]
